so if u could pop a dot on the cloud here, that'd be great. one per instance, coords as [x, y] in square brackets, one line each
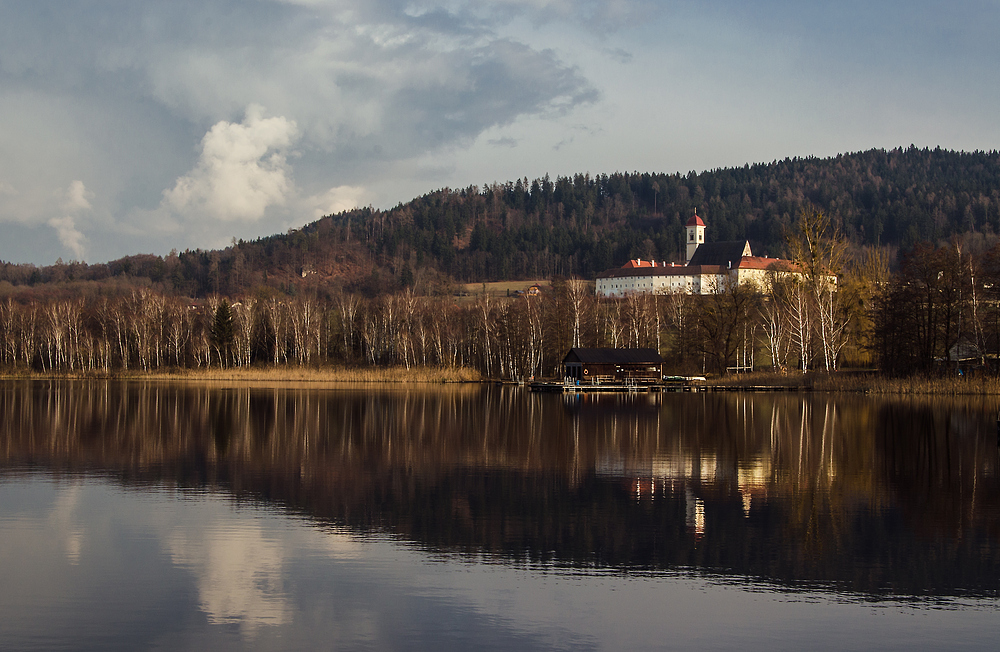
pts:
[356, 91]
[369, 85]
[506, 141]
[69, 235]
[242, 170]
[600, 16]
[620, 55]
[76, 199]
[397, 97]
[337, 200]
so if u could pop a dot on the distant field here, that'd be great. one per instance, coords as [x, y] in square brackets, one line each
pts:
[502, 288]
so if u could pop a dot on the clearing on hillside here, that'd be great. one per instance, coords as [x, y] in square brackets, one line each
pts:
[501, 288]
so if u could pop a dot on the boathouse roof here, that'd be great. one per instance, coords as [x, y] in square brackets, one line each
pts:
[613, 356]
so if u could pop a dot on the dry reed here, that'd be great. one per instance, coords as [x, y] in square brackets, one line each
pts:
[867, 383]
[848, 382]
[913, 385]
[283, 374]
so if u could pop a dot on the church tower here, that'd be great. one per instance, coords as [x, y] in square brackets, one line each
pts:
[695, 235]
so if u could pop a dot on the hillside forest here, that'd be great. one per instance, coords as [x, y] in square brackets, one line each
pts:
[911, 233]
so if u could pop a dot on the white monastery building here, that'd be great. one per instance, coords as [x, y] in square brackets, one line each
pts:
[709, 266]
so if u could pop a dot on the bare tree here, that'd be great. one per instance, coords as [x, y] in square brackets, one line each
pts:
[277, 317]
[801, 320]
[819, 250]
[774, 319]
[8, 321]
[347, 308]
[178, 330]
[484, 313]
[577, 293]
[722, 319]
[679, 307]
[243, 321]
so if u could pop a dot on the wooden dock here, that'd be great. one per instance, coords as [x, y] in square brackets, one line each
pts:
[571, 388]
[567, 388]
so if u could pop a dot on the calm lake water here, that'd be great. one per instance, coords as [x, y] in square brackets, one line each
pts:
[190, 516]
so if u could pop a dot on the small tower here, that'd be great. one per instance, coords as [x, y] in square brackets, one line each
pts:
[695, 235]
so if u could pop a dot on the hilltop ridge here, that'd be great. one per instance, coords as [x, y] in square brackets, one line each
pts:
[579, 225]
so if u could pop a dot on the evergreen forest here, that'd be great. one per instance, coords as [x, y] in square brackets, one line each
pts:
[569, 226]
[910, 235]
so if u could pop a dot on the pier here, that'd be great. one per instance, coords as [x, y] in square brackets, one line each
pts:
[583, 388]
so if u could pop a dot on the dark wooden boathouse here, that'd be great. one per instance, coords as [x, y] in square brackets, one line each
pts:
[642, 366]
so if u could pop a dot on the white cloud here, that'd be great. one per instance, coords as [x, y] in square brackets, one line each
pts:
[77, 197]
[76, 200]
[336, 200]
[398, 97]
[360, 89]
[241, 172]
[69, 235]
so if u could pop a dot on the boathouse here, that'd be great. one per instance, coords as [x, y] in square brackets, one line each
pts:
[613, 365]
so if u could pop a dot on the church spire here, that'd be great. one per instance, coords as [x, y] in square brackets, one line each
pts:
[695, 235]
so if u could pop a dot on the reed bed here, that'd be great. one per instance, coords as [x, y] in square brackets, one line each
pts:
[914, 385]
[867, 383]
[844, 381]
[284, 374]
[762, 379]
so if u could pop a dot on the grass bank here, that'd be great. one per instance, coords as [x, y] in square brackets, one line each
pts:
[283, 374]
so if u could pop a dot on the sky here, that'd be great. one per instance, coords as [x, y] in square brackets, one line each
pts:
[144, 127]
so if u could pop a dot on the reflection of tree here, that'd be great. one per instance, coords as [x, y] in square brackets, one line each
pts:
[870, 496]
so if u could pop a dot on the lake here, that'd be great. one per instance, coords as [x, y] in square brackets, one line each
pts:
[173, 515]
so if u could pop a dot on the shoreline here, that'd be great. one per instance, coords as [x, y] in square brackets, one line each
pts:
[848, 382]
[868, 383]
[385, 375]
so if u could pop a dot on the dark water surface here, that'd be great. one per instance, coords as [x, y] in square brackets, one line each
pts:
[190, 516]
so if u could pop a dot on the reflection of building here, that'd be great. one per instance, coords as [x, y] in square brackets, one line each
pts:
[709, 266]
[613, 365]
[692, 475]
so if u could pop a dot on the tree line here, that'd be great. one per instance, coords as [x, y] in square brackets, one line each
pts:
[571, 226]
[939, 309]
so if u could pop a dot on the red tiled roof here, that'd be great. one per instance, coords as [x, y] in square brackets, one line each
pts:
[677, 270]
[760, 262]
[695, 221]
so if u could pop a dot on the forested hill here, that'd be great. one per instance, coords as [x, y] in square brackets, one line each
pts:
[576, 225]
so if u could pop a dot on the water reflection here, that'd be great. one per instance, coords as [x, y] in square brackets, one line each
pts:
[802, 491]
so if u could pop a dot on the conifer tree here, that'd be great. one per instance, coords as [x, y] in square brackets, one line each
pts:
[223, 332]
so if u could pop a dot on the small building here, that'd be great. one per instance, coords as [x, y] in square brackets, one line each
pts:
[591, 366]
[964, 350]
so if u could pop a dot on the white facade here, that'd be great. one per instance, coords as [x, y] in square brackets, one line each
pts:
[715, 265]
[660, 280]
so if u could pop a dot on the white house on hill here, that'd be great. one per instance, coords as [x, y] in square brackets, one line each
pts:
[710, 265]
